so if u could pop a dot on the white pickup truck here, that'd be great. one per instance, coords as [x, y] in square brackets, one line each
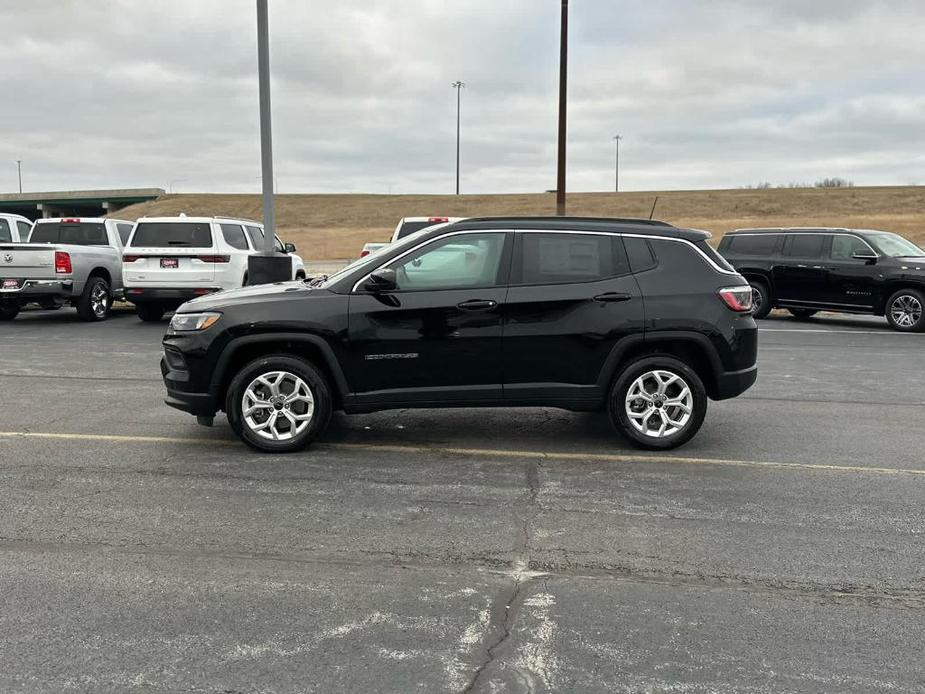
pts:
[70, 260]
[14, 228]
[405, 227]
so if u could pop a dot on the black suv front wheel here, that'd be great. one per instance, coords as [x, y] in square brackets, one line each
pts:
[278, 403]
[658, 402]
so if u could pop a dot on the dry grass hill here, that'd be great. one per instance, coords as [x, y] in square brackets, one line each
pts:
[328, 227]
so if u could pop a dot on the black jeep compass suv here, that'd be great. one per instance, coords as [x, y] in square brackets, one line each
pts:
[839, 270]
[636, 317]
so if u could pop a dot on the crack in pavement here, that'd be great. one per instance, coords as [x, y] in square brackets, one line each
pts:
[506, 606]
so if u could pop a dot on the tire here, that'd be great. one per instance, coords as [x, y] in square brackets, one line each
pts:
[657, 376]
[149, 313]
[761, 298]
[300, 276]
[96, 300]
[8, 311]
[905, 311]
[802, 313]
[298, 376]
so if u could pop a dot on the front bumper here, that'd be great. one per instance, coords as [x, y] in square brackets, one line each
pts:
[33, 288]
[732, 383]
[173, 295]
[177, 382]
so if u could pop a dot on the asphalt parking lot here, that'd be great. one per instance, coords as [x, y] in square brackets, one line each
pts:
[463, 550]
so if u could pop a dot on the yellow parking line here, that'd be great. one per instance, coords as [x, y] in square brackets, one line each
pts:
[482, 453]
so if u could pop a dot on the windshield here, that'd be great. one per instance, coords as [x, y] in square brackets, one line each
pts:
[371, 259]
[72, 233]
[895, 246]
[182, 234]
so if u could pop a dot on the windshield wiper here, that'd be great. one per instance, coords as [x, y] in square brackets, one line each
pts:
[316, 281]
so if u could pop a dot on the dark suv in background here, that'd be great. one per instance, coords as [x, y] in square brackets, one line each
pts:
[638, 317]
[840, 270]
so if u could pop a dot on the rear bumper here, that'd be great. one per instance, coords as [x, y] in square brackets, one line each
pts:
[732, 383]
[176, 381]
[34, 288]
[177, 295]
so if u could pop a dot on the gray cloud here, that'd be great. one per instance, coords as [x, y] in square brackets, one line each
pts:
[707, 94]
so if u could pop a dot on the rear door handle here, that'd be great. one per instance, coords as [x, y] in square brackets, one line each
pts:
[613, 296]
[477, 304]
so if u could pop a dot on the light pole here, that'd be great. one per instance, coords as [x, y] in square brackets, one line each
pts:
[19, 173]
[268, 266]
[458, 86]
[616, 170]
[563, 79]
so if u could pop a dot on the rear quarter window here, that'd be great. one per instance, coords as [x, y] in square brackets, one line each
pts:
[6, 234]
[179, 234]
[640, 254]
[754, 245]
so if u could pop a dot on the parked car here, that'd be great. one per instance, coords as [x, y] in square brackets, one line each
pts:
[405, 227]
[14, 228]
[639, 318]
[169, 260]
[841, 270]
[69, 260]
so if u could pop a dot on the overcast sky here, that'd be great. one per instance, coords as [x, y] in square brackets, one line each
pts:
[706, 94]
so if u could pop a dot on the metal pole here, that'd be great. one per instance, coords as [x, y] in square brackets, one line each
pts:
[616, 175]
[458, 85]
[563, 78]
[19, 172]
[266, 135]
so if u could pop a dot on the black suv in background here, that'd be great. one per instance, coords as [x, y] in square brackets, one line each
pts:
[638, 317]
[840, 270]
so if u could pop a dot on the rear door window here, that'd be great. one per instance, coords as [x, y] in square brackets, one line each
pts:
[234, 236]
[560, 258]
[255, 234]
[6, 234]
[24, 229]
[166, 234]
[72, 233]
[754, 245]
[807, 246]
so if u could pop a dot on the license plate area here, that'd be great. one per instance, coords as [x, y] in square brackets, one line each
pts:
[170, 263]
[9, 285]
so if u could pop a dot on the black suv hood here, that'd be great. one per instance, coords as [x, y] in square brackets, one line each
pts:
[248, 295]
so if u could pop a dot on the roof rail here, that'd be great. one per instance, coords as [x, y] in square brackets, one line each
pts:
[605, 220]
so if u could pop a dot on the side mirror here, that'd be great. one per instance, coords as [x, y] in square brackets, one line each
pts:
[289, 248]
[382, 280]
[866, 257]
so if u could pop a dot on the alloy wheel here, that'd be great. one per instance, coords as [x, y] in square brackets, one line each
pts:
[906, 311]
[659, 404]
[99, 300]
[277, 405]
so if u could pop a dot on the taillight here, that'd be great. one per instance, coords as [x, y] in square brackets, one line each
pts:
[215, 258]
[130, 258]
[737, 298]
[63, 263]
[364, 253]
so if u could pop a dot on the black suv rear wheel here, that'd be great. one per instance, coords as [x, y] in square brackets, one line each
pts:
[278, 403]
[761, 298]
[905, 311]
[658, 402]
[802, 313]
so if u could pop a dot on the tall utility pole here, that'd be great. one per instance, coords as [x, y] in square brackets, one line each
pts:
[19, 172]
[563, 79]
[458, 86]
[616, 170]
[268, 266]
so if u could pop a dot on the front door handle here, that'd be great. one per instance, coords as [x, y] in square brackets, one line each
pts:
[613, 296]
[477, 305]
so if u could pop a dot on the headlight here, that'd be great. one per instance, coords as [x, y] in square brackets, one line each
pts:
[190, 322]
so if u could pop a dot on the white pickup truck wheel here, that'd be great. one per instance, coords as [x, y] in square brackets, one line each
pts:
[8, 311]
